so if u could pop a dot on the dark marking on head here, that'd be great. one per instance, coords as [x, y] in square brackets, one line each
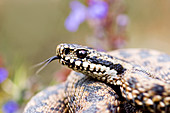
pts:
[118, 67]
[96, 60]
[73, 64]
[103, 72]
[67, 62]
[87, 69]
[107, 63]
[78, 67]
[99, 70]
[63, 62]
[81, 65]
[94, 57]
[109, 56]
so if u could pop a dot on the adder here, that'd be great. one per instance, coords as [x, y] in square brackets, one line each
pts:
[124, 80]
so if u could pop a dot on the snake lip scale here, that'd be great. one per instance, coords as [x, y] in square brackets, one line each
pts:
[140, 86]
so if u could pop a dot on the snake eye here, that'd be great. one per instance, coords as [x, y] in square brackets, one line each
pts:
[66, 51]
[81, 53]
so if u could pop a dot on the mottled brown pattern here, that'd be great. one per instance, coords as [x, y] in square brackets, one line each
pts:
[144, 88]
[156, 90]
[50, 100]
[87, 95]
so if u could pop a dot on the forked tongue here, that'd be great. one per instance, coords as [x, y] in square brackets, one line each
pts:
[45, 63]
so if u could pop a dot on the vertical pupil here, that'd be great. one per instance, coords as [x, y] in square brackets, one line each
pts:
[81, 53]
[66, 51]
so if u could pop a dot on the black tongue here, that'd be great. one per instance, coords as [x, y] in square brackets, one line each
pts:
[46, 62]
[53, 58]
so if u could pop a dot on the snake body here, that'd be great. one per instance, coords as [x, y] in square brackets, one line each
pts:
[125, 80]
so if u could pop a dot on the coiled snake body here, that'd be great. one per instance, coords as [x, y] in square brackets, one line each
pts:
[125, 80]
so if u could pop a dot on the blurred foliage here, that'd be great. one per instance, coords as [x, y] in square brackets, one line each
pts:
[30, 31]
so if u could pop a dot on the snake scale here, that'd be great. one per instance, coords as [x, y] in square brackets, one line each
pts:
[125, 80]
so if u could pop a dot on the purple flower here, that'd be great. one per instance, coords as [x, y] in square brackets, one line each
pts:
[79, 13]
[122, 20]
[98, 10]
[3, 74]
[10, 107]
[76, 17]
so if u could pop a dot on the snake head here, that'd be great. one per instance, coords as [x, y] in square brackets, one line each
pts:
[88, 61]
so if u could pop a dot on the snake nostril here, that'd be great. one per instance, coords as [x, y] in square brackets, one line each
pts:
[66, 51]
